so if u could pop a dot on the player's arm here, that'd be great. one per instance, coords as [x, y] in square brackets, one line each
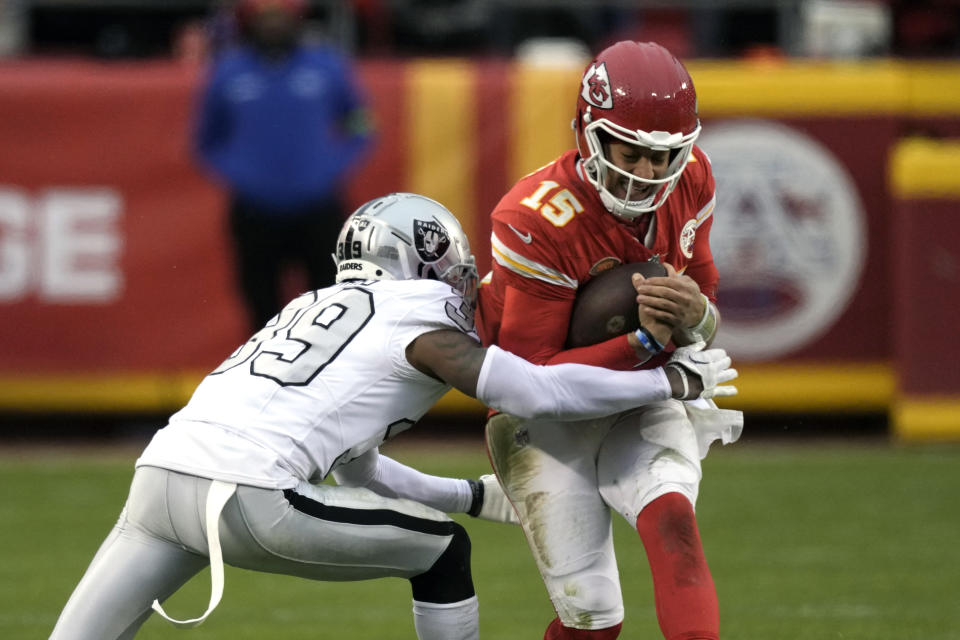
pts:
[509, 383]
[687, 302]
[212, 124]
[677, 301]
[536, 328]
[482, 498]
[538, 297]
[704, 272]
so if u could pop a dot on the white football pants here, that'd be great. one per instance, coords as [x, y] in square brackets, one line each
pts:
[321, 532]
[563, 479]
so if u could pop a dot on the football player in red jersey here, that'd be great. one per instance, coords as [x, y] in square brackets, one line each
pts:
[635, 188]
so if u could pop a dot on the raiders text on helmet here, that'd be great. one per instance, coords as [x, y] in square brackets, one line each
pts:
[638, 93]
[404, 236]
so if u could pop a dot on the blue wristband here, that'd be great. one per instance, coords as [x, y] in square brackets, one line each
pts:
[649, 343]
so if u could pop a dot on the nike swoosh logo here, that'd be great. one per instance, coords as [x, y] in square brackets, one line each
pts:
[527, 238]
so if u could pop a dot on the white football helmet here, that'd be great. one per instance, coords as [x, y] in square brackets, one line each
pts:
[405, 236]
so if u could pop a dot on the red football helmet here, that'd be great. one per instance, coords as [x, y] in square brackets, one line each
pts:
[638, 93]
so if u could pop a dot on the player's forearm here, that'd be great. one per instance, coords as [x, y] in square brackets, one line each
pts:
[616, 353]
[705, 330]
[535, 328]
[391, 479]
[565, 391]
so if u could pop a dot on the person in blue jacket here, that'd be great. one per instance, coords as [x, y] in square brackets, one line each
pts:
[281, 122]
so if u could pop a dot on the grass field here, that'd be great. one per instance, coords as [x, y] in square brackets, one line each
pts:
[825, 540]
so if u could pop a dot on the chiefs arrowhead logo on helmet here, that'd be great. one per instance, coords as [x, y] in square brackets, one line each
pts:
[596, 87]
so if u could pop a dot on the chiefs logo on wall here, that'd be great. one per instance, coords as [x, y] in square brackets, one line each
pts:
[788, 237]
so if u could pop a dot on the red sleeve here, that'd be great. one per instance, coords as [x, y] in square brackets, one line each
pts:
[537, 265]
[536, 329]
[542, 254]
[701, 267]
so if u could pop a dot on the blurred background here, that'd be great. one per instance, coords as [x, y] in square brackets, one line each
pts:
[833, 128]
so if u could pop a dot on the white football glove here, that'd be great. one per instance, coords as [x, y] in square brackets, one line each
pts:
[710, 366]
[490, 502]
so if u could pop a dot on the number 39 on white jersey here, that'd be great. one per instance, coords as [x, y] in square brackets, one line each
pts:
[324, 381]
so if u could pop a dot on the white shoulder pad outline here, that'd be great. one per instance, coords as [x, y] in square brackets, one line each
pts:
[510, 259]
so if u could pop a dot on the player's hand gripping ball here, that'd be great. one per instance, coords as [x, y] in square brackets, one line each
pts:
[606, 306]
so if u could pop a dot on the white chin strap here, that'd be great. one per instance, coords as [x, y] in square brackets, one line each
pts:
[616, 206]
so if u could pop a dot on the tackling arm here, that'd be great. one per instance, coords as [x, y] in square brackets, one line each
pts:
[482, 498]
[509, 383]
[391, 479]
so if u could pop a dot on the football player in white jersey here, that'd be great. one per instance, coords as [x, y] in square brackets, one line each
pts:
[232, 477]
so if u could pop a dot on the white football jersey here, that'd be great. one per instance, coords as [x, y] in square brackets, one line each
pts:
[326, 380]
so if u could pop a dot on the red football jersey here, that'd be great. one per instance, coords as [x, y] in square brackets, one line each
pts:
[551, 234]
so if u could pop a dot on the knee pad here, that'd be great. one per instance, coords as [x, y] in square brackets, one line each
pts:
[449, 579]
[587, 602]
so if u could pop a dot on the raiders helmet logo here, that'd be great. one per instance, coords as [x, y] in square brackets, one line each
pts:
[596, 87]
[430, 239]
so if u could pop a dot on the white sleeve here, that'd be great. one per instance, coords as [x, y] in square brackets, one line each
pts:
[564, 391]
[391, 479]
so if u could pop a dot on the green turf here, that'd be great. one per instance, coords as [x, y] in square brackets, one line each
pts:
[833, 540]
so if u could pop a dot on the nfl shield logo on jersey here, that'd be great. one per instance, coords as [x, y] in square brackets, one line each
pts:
[430, 239]
[596, 87]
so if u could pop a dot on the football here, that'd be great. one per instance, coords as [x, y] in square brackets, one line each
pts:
[606, 306]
